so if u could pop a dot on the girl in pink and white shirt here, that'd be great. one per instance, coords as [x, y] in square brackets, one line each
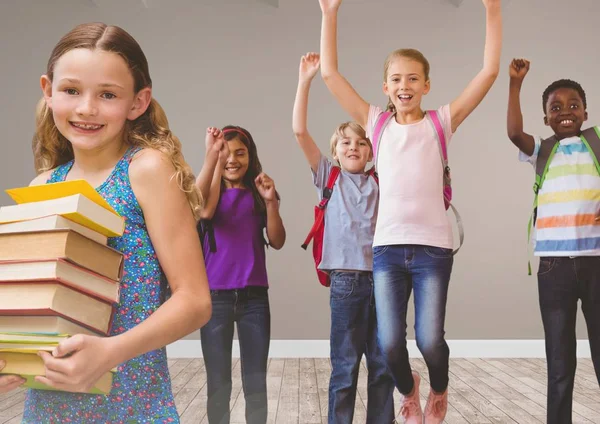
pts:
[413, 237]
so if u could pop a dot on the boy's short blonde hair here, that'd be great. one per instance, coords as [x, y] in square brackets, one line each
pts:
[339, 134]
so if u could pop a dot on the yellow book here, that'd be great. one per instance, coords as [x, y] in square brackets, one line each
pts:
[29, 365]
[55, 190]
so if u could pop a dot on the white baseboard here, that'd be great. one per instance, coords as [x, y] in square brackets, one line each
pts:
[458, 349]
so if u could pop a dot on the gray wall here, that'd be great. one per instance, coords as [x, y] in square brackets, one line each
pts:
[219, 62]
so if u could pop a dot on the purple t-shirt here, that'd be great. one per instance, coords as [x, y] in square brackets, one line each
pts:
[240, 257]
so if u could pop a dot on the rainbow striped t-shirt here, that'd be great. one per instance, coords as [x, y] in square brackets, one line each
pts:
[568, 202]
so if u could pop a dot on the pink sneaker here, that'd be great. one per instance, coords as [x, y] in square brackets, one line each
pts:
[436, 407]
[410, 406]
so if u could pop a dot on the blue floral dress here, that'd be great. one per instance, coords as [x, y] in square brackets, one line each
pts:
[141, 391]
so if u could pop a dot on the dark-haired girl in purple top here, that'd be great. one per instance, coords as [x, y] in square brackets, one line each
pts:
[240, 202]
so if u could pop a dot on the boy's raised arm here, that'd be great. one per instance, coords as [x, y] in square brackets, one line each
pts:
[309, 66]
[525, 142]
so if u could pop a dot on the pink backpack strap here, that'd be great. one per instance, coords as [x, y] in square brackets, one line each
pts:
[380, 123]
[435, 119]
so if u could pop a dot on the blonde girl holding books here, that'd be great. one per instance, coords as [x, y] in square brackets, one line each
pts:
[98, 121]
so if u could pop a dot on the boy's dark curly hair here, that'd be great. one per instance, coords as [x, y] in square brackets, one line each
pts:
[563, 83]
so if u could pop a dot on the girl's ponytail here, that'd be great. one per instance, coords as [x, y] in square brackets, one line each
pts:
[390, 106]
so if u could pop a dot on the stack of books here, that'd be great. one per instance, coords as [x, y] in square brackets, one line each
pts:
[58, 277]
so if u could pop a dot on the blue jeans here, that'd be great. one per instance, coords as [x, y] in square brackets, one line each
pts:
[397, 271]
[354, 333]
[562, 281]
[249, 307]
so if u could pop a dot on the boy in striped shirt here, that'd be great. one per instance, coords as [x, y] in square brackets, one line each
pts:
[567, 231]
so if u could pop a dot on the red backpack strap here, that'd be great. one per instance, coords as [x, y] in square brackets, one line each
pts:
[372, 173]
[327, 191]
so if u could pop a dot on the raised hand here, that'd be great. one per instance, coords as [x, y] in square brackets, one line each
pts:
[330, 5]
[518, 69]
[491, 4]
[216, 144]
[223, 147]
[309, 66]
[212, 135]
[266, 187]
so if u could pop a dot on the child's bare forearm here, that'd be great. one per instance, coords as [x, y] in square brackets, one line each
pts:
[205, 176]
[493, 41]
[299, 119]
[275, 229]
[341, 89]
[211, 201]
[299, 124]
[522, 140]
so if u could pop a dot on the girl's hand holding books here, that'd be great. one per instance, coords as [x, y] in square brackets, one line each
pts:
[77, 363]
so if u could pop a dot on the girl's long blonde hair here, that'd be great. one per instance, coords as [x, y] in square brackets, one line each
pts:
[150, 130]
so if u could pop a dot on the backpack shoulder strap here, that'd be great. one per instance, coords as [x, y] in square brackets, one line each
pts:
[205, 229]
[380, 123]
[591, 137]
[434, 118]
[546, 152]
[320, 216]
[372, 173]
[328, 189]
[547, 149]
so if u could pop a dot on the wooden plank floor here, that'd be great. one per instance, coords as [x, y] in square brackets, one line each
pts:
[481, 391]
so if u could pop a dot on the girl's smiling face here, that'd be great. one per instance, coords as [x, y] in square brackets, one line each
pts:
[91, 97]
[237, 163]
